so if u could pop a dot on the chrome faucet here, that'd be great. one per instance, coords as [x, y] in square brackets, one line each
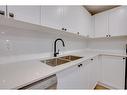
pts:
[55, 53]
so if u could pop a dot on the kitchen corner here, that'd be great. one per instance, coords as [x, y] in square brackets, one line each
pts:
[66, 46]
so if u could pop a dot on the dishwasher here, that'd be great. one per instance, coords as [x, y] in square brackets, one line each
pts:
[47, 83]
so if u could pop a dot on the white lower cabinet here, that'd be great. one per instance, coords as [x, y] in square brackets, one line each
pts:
[83, 77]
[93, 72]
[109, 70]
[113, 71]
[73, 78]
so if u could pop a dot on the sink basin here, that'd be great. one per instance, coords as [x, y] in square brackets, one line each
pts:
[61, 60]
[70, 57]
[55, 61]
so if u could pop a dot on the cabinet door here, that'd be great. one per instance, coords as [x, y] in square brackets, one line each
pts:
[29, 14]
[94, 69]
[2, 10]
[73, 78]
[76, 19]
[73, 18]
[51, 16]
[118, 21]
[84, 23]
[69, 18]
[113, 71]
[91, 33]
[101, 24]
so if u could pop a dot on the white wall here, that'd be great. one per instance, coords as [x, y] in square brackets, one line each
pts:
[115, 43]
[18, 41]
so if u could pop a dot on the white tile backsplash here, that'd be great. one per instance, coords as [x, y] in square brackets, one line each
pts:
[19, 42]
[111, 44]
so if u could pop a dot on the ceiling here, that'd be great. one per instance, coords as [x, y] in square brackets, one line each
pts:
[93, 9]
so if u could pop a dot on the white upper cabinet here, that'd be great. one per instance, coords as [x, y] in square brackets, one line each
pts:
[29, 14]
[111, 23]
[118, 21]
[84, 24]
[101, 24]
[91, 33]
[77, 20]
[2, 10]
[51, 16]
[74, 19]
[69, 20]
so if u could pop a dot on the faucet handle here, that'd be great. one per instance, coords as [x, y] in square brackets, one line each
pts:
[55, 54]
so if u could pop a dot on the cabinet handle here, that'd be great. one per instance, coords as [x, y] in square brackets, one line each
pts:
[109, 35]
[62, 28]
[78, 33]
[124, 58]
[2, 12]
[79, 65]
[11, 15]
[106, 35]
[91, 59]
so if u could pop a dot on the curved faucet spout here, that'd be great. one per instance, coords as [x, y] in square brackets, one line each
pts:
[58, 39]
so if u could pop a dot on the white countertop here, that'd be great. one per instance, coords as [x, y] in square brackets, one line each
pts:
[18, 73]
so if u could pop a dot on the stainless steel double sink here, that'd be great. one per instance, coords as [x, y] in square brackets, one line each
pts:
[60, 60]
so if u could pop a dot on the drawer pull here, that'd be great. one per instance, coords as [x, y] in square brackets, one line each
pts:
[106, 35]
[79, 65]
[78, 33]
[124, 58]
[11, 15]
